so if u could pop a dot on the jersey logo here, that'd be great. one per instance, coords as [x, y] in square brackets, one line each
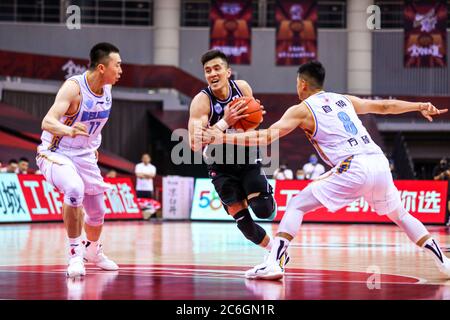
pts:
[89, 104]
[218, 108]
[327, 109]
[87, 116]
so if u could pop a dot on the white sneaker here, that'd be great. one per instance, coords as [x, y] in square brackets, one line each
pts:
[432, 248]
[76, 266]
[96, 256]
[268, 270]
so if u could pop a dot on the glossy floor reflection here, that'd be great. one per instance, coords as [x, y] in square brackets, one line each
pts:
[201, 260]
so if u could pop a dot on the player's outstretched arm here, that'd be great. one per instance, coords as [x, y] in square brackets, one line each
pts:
[65, 96]
[291, 119]
[363, 106]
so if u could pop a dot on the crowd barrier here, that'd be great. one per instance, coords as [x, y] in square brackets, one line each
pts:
[30, 198]
[426, 200]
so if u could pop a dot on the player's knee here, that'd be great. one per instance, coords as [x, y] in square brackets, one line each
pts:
[74, 194]
[95, 210]
[263, 205]
[398, 214]
[248, 227]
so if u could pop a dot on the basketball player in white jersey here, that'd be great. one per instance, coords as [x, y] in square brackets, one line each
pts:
[67, 156]
[360, 168]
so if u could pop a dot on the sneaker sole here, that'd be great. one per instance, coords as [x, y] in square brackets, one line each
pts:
[276, 276]
[75, 275]
[109, 269]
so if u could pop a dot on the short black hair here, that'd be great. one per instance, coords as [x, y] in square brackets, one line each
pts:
[314, 72]
[99, 52]
[23, 159]
[12, 161]
[212, 54]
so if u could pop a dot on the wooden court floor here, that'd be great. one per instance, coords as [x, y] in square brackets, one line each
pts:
[206, 260]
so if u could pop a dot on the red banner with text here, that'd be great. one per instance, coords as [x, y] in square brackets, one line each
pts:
[425, 33]
[425, 200]
[296, 37]
[31, 198]
[230, 30]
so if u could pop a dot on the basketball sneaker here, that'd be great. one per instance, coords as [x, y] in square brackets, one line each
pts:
[94, 254]
[76, 264]
[269, 270]
[432, 248]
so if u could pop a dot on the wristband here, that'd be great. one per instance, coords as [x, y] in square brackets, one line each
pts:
[222, 125]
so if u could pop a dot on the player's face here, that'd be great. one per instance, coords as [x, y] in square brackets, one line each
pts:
[113, 68]
[217, 73]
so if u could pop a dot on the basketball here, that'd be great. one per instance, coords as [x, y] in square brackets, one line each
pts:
[254, 112]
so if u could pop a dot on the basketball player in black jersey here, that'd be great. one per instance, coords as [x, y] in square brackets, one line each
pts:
[238, 185]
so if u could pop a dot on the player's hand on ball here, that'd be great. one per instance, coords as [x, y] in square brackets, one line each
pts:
[79, 129]
[262, 107]
[427, 110]
[234, 111]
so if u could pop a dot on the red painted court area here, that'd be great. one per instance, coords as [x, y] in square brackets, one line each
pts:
[207, 261]
[173, 282]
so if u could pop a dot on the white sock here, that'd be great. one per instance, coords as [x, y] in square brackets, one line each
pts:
[74, 244]
[279, 247]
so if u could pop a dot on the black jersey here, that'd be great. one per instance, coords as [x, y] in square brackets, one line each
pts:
[217, 105]
[230, 153]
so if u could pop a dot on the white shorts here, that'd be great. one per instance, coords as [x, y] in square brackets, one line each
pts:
[86, 167]
[358, 176]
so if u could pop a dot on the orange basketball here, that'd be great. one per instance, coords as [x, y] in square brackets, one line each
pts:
[254, 111]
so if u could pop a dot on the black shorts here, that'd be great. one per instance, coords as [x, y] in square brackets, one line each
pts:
[234, 183]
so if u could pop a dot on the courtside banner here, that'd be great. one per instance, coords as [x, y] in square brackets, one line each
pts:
[230, 30]
[206, 204]
[13, 207]
[296, 31]
[425, 33]
[426, 200]
[31, 198]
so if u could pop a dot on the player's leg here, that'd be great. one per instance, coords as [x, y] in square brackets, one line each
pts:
[384, 198]
[338, 187]
[417, 233]
[233, 197]
[94, 206]
[93, 225]
[298, 206]
[259, 196]
[62, 174]
[259, 192]
[245, 223]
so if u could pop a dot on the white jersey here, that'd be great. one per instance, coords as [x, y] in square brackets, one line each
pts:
[338, 132]
[93, 111]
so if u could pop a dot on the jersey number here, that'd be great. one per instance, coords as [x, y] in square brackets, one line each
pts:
[349, 126]
[94, 126]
